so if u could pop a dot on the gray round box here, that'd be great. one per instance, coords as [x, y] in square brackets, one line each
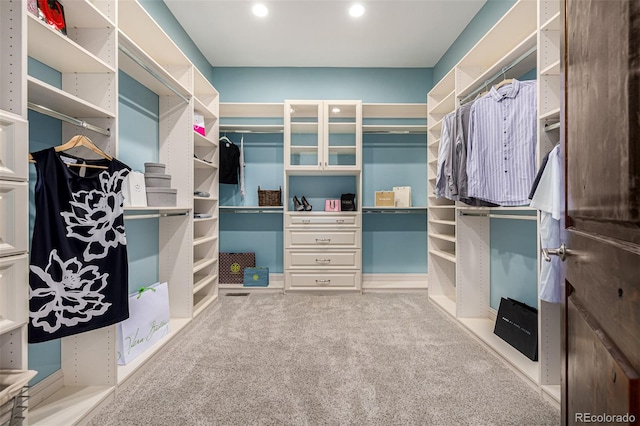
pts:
[157, 180]
[161, 197]
[154, 168]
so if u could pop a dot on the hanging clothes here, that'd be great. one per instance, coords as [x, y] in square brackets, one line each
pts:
[229, 161]
[444, 155]
[502, 144]
[78, 274]
[547, 197]
[242, 166]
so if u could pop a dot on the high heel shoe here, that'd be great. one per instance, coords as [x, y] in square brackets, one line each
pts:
[306, 204]
[297, 204]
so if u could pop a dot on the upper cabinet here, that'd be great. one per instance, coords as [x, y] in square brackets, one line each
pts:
[323, 136]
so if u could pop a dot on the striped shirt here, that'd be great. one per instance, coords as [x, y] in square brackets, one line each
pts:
[501, 157]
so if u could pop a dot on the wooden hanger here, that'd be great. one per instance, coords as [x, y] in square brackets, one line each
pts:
[77, 141]
[503, 82]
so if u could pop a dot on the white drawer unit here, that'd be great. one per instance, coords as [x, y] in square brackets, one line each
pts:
[14, 142]
[13, 220]
[322, 238]
[322, 220]
[348, 280]
[323, 259]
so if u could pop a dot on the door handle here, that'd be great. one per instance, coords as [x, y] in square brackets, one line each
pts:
[561, 252]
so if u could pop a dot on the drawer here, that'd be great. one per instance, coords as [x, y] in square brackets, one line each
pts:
[322, 238]
[323, 259]
[348, 280]
[14, 217]
[14, 140]
[322, 220]
[14, 284]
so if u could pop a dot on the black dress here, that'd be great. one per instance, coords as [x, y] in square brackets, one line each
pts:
[78, 274]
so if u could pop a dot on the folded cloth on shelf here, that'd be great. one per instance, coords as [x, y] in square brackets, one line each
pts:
[201, 194]
[201, 215]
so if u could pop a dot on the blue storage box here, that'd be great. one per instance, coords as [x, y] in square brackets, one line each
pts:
[256, 277]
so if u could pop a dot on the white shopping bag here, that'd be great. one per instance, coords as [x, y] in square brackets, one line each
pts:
[148, 322]
[402, 196]
[134, 191]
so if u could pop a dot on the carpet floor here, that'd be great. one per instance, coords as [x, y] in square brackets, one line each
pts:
[298, 359]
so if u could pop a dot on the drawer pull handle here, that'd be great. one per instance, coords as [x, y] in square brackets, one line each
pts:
[339, 220]
[306, 221]
[323, 260]
[323, 240]
[321, 282]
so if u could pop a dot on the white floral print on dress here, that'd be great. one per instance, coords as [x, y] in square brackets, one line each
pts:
[72, 293]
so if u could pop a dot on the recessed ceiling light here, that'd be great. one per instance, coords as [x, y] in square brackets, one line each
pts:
[260, 10]
[357, 10]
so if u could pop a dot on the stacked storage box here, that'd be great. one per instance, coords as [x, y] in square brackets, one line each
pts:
[158, 186]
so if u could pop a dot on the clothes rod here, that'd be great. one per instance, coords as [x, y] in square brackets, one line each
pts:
[64, 117]
[153, 216]
[499, 216]
[497, 75]
[549, 127]
[148, 69]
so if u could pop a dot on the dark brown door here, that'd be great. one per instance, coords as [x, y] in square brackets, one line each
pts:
[601, 330]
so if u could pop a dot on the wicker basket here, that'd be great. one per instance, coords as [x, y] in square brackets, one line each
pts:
[269, 197]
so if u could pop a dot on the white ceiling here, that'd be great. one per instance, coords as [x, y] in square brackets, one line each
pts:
[320, 33]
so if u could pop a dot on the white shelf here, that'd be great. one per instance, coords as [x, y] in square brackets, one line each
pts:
[304, 128]
[205, 219]
[343, 150]
[553, 69]
[69, 405]
[446, 255]
[436, 127]
[273, 285]
[394, 110]
[205, 198]
[201, 108]
[491, 70]
[447, 105]
[203, 240]
[200, 164]
[442, 88]
[443, 237]
[83, 14]
[201, 302]
[448, 206]
[133, 69]
[252, 128]
[482, 328]
[125, 371]
[201, 281]
[254, 110]
[202, 141]
[394, 128]
[443, 222]
[7, 325]
[304, 149]
[176, 209]
[59, 52]
[58, 100]
[252, 209]
[200, 264]
[549, 115]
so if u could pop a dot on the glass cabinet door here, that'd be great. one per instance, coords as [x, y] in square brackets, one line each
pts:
[303, 135]
[343, 134]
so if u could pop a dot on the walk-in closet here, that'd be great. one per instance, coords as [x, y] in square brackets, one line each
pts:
[300, 193]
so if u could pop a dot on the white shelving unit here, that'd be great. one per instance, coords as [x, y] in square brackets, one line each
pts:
[88, 59]
[459, 235]
[322, 250]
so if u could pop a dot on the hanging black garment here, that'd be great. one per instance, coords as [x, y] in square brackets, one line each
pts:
[229, 162]
[78, 272]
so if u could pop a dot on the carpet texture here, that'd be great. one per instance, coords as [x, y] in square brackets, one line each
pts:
[297, 359]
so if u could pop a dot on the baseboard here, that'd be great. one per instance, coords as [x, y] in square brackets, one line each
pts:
[493, 314]
[276, 285]
[394, 282]
[45, 388]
